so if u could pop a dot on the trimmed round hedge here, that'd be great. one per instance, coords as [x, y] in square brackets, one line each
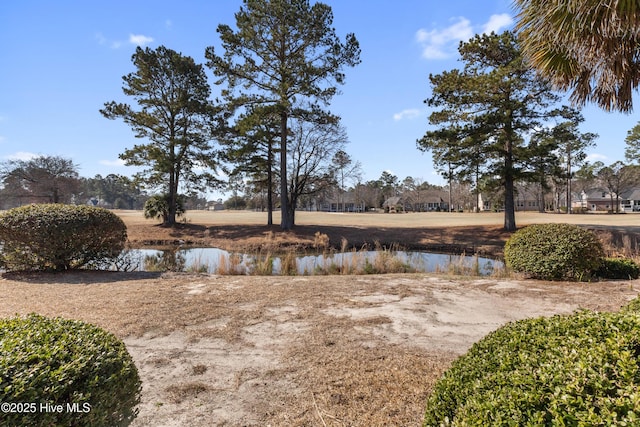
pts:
[59, 237]
[554, 252]
[65, 373]
[572, 370]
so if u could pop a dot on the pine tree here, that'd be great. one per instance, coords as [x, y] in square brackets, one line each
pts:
[285, 53]
[176, 116]
[486, 111]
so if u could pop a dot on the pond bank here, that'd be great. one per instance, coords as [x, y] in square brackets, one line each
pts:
[250, 238]
[216, 260]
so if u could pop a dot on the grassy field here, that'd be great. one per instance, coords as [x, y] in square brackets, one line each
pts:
[407, 220]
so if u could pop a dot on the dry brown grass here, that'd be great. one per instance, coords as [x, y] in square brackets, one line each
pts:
[293, 351]
[178, 393]
[436, 231]
[299, 351]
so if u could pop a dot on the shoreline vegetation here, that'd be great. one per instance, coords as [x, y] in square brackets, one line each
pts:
[321, 261]
[471, 234]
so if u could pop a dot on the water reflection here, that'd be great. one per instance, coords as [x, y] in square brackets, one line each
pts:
[165, 260]
[214, 260]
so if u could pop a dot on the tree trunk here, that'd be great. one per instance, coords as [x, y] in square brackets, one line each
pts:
[292, 211]
[477, 189]
[286, 222]
[509, 207]
[450, 182]
[269, 183]
[541, 206]
[569, 182]
[611, 197]
[170, 220]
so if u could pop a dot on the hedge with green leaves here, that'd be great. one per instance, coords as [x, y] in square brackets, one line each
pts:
[573, 370]
[59, 372]
[618, 268]
[632, 306]
[59, 237]
[554, 252]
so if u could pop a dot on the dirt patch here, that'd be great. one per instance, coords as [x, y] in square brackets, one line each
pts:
[294, 351]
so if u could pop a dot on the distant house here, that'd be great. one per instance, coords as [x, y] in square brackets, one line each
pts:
[593, 200]
[216, 205]
[602, 200]
[527, 198]
[490, 202]
[598, 200]
[630, 200]
[530, 198]
[394, 204]
[483, 204]
[344, 202]
[430, 201]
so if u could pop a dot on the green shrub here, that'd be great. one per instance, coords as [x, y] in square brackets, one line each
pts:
[575, 370]
[618, 268]
[554, 252]
[59, 237]
[632, 306]
[59, 372]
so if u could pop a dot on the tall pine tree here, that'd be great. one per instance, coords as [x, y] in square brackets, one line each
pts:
[284, 53]
[178, 119]
[493, 103]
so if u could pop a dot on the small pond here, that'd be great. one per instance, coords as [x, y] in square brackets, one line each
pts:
[213, 260]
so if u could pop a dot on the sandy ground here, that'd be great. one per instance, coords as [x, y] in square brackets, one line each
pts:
[295, 351]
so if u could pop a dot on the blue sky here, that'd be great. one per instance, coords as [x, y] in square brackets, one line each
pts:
[61, 61]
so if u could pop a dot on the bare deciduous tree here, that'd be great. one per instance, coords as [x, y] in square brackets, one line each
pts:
[42, 179]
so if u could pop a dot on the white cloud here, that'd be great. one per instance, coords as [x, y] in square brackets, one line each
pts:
[410, 113]
[497, 23]
[139, 39]
[135, 39]
[117, 163]
[438, 44]
[22, 155]
[443, 43]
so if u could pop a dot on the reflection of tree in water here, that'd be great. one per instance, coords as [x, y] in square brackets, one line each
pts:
[168, 260]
